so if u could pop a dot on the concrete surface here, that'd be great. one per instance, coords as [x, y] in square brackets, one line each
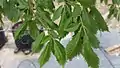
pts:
[10, 60]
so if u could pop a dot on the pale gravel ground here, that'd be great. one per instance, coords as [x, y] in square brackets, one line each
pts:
[10, 60]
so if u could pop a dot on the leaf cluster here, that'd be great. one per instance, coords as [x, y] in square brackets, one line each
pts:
[78, 16]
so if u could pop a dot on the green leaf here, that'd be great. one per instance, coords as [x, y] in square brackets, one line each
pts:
[51, 6]
[33, 29]
[89, 55]
[45, 39]
[99, 19]
[46, 4]
[1, 3]
[22, 4]
[37, 46]
[64, 21]
[105, 1]
[1, 22]
[93, 23]
[89, 22]
[53, 33]
[101, 1]
[60, 1]
[116, 2]
[59, 52]
[44, 57]
[93, 39]
[20, 30]
[61, 31]
[57, 13]
[72, 27]
[77, 11]
[87, 3]
[45, 16]
[74, 47]
[67, 22]
[11, 11]
[42, 22]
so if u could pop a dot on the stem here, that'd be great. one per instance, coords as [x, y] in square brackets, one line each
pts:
[1, 22]
[31, 7]
[62, 66]
[84, 28]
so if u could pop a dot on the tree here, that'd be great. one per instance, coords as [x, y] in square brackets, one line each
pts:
[78, 16]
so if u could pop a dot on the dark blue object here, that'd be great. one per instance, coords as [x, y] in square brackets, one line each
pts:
[3, 39]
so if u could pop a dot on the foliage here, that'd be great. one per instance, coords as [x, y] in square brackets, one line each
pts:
[78, 16]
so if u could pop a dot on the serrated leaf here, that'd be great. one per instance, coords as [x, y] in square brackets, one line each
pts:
[49, 5]
[77, 11]
[89, 54]
[69, 10]
[53, 33]
[93, 23]
[46, 4]
[74, 46]
[73, 27]
[1, 10]
[111, 11]
[59, 52]
[45, 16]
[33, 29]
[10, 10]
[87, 3]
[116, 2]
[41, 22]
[93, 39]
[20, 30]
[88, 22]
[62, 24]
[37, 46]
[45, 39]
[1, 3]
[99, 19]
[1, 22]
[22, 4]
[57, 13]
[67, 22]
[44, 57]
